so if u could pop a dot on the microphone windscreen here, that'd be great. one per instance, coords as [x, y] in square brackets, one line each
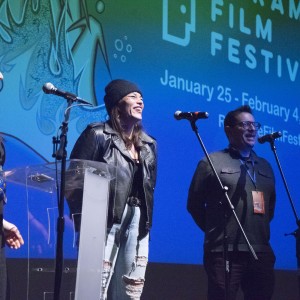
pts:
[48, 88]
[177, 114]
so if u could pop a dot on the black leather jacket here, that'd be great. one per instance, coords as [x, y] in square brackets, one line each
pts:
[99, 142]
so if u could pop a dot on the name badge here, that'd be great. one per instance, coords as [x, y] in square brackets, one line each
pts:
[258, 202]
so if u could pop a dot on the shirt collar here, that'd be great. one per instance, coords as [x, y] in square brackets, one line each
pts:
[236, 154]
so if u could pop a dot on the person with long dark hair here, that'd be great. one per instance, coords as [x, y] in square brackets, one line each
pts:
[122, 142]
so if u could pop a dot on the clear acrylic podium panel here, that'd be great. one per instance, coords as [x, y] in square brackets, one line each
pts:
[81, 268]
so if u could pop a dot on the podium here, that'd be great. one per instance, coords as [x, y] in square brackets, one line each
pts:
[87, 190]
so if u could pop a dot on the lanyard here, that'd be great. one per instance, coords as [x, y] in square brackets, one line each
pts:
[253, 178]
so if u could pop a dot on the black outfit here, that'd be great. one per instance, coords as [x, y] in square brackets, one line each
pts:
[209, 208]
[99, 142]
[3, 275]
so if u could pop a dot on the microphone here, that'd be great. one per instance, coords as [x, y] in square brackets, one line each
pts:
[191, 116]
[269, 137]
[49, 88]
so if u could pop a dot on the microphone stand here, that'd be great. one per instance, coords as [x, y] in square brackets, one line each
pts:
[61, 154]
[296, 233]
[224, 189]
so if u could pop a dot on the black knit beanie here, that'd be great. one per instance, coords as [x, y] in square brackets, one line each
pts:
[116, 90]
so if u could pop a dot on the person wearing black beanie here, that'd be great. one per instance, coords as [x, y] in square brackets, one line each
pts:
[116, 90]
[122, 142]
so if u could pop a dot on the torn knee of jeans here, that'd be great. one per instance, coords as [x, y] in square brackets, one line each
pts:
[107, 265]
[106, 268]
[141, 261]
[134, 286]
[133, 281]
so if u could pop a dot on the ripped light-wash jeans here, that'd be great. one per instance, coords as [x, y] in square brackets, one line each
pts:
[125, 258]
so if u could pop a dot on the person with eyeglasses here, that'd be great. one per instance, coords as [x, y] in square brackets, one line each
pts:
[250, 184]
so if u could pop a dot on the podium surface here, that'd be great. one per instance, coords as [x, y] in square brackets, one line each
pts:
[40, 185]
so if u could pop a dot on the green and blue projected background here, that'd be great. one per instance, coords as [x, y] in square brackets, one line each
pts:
[185, 55]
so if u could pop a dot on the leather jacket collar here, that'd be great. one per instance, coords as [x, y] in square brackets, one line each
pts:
[144, 137]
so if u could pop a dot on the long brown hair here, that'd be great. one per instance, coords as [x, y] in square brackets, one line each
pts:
[116, 124]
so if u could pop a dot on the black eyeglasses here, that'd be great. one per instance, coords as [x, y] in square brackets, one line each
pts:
[248, 125]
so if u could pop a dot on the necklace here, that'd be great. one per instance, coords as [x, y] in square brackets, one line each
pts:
[134, 154]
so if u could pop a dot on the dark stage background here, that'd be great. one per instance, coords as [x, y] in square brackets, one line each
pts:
[163, 281]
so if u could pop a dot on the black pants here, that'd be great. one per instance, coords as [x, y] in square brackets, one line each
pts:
[3, 276]
[255, 277]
